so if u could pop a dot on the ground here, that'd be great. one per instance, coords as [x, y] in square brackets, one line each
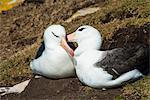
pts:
[62, 89]
[121, 22]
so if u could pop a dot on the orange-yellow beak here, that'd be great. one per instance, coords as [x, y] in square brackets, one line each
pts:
[71, 37]
[66, 47]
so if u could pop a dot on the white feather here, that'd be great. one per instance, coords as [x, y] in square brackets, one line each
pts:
[87, 55]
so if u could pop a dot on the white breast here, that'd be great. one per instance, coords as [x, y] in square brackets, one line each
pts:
[87, 71]
[54, 64]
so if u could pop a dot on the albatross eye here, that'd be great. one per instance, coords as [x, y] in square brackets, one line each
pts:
[55, 35]
[81, 29]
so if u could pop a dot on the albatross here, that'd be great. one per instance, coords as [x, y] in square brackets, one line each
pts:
[55, 58]
[104, 69]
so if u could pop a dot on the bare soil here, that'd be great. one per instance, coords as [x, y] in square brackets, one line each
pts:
[62, 89]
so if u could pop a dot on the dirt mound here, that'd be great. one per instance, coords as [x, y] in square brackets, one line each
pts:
[129, 36]
[62, 89]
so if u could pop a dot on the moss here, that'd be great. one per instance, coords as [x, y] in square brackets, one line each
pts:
[119, 98]
[137, 90]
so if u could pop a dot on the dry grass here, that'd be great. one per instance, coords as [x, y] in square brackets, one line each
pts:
[16, 68]
[114, 14]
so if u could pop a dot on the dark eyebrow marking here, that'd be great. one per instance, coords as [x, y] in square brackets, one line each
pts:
[55, 35]
[81, 29]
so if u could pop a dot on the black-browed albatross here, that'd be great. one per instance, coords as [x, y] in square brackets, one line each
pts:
[53, 59]
[109, 68]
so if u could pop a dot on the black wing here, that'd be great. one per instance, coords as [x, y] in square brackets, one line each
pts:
[40, 50]
[122, 60]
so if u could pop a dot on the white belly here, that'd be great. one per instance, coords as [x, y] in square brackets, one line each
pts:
[53, 64]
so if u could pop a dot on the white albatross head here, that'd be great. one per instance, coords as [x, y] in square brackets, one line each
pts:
[54, 36]
[87, 37]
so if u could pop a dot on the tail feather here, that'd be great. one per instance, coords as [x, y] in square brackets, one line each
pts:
[131, 75]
